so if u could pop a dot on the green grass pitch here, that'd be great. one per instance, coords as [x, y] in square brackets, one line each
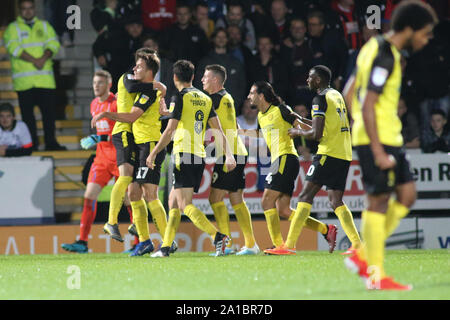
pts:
[308, 275]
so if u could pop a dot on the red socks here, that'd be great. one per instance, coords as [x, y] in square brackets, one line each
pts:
[87, 218]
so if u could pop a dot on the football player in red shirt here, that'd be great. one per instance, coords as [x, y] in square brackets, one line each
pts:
[104, 166]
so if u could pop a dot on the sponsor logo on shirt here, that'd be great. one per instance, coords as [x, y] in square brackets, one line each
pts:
[379, 76]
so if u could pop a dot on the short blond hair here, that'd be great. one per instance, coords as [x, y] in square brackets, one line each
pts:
[105, 74]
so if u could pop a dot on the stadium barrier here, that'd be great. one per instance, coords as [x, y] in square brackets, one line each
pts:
[431, 171]
[48, 239]
[26, 189]
[412, 233]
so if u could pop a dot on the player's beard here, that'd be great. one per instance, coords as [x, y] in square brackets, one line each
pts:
[408, 47]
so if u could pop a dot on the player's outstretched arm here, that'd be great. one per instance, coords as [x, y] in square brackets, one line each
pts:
[230, 162]
[161, 87]
[128, 117]
[165, 139]
[252, 133]
[314, 132]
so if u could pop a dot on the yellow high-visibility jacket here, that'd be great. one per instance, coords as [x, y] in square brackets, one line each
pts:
[41, 36]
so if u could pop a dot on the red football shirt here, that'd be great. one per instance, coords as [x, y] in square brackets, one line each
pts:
[105, 126]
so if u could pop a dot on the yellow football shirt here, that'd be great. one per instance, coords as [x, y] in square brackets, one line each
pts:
[127, 90]
[275, 123]
[192, 109]
[378, 69]
[223, 105]
[148, 126]
[336, 140]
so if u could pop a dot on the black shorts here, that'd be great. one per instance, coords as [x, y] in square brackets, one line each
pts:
[378, 181]
[231, 181]
[283, 173]
[125, 148]
[188, 171]
[142, 173]
[328, 171]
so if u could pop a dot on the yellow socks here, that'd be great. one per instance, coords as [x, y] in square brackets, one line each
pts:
[395, 212]
[222, 217]
[158, 215]
[346, 219]
[312, 224]
[373, 232]
[273, 224]
[172, 227]
[200, 221]
[245, 222]
[298, 221]
[117, 196]
[140, 219]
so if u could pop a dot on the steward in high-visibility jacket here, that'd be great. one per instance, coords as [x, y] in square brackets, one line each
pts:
[35, 38]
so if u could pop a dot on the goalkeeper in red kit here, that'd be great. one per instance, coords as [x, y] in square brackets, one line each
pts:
[104, 166]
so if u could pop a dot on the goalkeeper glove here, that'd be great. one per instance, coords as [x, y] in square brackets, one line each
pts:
[90, 141]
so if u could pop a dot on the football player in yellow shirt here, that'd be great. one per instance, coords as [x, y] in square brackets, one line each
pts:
[275, 119]
[192, 111]
[373, 93]
[330, 126]
[224, 182]
[144, 117]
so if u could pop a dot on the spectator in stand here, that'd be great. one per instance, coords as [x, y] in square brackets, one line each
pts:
[236, 81]
[410, 126]
[437, 136]
[296, 52]
[202, 19]
[184, 40]
[15, 138]
[104, 16]
[328, 48]
[279, 13]
[235, 16]
[165, 73]
[31, 44]
[158, 15]
[267, 66]
[238, 50]
[115, 50]
[305, 147]
[249, 120]
[56, 14]
[351, 22]
[216, 9]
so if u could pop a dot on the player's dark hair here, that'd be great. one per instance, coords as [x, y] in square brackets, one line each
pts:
[216, 32]
[267, 90]
[414, 14]
[296, 18]
[201, 3]
[324, 73]
[316, 14]
[438, 111]
[234, 3]
[182, 4]
[218, 70]
[184, 70]
[8, 107]
[150, 57]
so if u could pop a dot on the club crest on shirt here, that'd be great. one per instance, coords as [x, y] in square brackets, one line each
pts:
[143, 99]
[315, 107]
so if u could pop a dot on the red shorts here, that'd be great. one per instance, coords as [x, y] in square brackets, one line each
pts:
[103, 168]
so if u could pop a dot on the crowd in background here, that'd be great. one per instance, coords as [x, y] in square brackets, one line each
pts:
[277, 41]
